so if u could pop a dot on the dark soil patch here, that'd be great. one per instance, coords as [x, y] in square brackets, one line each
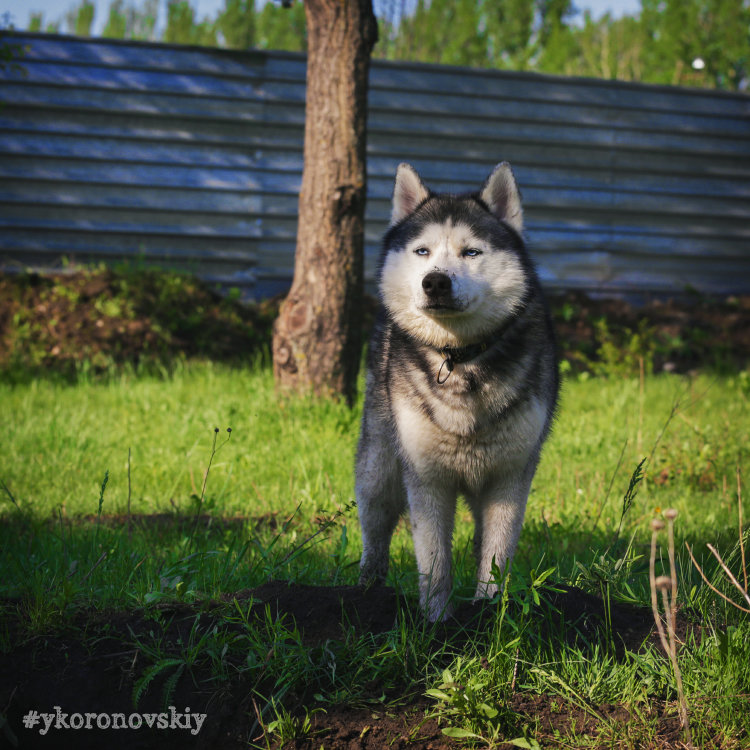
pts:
[550, 716]
[326, 613]
[673, 335]
[104, 319]
[94, 662]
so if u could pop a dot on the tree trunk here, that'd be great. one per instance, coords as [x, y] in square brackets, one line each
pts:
[317, 337]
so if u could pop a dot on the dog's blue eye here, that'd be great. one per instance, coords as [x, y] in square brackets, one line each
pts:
[471, 252]
[422, 251]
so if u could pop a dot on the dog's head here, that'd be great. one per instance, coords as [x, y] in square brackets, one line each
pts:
[454, 266]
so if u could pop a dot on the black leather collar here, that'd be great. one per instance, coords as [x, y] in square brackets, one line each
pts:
[457, 355]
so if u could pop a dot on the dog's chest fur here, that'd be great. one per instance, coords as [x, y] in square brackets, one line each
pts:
[467, 430]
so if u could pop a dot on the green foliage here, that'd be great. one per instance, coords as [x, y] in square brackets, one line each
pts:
[556, 38]
[141, 22]
[282, 28]
[454, 37]
[609, 48]
[657, 45]
[116, 25]
[509, 33]
[35, 22]
[183, 28]
[79, 20]
[462, 698]
[622, 352]
[679, 31]
[287, 727]
[131, 21]
[236, 24]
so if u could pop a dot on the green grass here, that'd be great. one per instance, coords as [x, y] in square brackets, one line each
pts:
[62, 438]
[290, 459]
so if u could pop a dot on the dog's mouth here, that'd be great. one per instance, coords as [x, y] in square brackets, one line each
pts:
[443, 307]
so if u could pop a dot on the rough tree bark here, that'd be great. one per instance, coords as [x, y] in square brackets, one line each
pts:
[317, 336]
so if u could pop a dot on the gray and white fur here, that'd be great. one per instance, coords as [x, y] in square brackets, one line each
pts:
[462, 382]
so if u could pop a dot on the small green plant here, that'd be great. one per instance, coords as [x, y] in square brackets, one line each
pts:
[608, 574]
[172, 581]
[626, 353]
[462, 698]
[630, 494]
[287, 727]
[200, 499]
[472, 692]
[206, 644]
[99, 507]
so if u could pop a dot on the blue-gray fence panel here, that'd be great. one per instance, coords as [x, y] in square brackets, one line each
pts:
[192, 158]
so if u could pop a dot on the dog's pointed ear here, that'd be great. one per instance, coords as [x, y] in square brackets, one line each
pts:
[501, 195]
[408, 193]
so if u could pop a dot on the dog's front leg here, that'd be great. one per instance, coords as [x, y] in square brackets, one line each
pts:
[432, 510]
[380, 502]
[498, 513]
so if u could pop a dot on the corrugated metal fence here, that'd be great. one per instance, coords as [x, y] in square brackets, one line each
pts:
[192, 158]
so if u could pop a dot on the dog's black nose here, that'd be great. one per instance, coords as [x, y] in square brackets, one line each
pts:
[436, 284]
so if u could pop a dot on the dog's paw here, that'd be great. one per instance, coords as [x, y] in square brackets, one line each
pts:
[372, 575]
[438, 608]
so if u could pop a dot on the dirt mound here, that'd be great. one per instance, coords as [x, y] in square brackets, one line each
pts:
[98, 661]
[326, 613]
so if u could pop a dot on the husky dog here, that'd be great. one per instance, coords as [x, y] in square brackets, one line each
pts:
[462, 382]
